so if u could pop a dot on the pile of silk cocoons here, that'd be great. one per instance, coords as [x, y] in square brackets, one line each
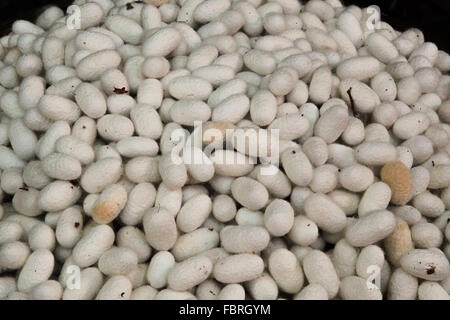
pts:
[102, 107]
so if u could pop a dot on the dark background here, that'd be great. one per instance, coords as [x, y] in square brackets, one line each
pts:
[431, 16]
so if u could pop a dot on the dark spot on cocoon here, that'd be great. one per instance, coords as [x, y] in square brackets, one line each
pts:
[122, 90]
[211, 229]
[352, 102]
[431, 269]
[84, 127]
[77, 224]
[129, 6]
[293, 152]
[122, 294]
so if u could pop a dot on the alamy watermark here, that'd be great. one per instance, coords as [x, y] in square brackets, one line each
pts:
[373, 21]
[251, 145]
[373, 282]
[73, 20]
[73, 281]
